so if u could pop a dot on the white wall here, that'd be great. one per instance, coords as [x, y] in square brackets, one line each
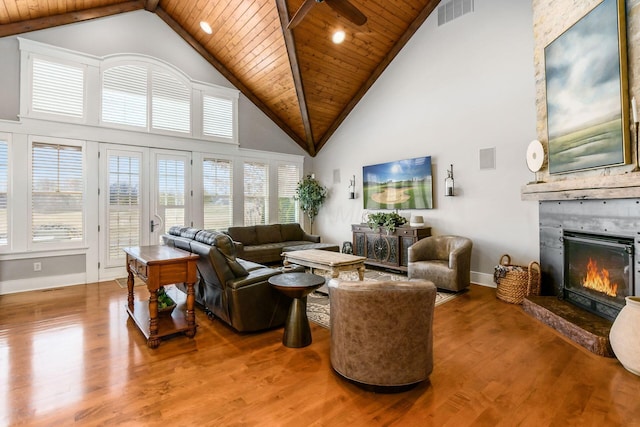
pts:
[139, 32]
[451, 91]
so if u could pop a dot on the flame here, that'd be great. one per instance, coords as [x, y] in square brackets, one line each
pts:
[599, 281]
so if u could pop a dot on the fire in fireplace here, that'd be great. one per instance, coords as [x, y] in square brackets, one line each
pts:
[598, 272]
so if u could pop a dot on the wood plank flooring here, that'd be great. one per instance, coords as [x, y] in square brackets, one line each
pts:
[70, 356]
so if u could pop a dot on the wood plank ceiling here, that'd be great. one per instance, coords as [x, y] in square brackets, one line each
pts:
[303, 81]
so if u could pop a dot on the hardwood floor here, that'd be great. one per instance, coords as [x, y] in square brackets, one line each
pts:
[70, 356]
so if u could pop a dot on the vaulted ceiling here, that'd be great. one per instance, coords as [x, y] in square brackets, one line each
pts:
[299, 78]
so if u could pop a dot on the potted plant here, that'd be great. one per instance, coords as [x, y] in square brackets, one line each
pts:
[390, 221]
[311, 196]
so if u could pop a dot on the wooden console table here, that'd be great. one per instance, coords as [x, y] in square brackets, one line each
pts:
[386, 250]
[159, 266]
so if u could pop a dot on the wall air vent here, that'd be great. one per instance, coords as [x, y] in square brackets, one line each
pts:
[453, 9]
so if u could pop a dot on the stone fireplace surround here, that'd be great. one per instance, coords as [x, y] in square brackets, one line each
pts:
[600, 205]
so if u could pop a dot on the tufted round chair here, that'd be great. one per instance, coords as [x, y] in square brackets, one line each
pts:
[381, 332]
[444, 260]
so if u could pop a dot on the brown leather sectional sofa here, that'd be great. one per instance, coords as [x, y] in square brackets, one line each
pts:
[232, 289]
[265, 243]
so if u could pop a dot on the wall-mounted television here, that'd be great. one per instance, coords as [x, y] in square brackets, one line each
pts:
[403, 184]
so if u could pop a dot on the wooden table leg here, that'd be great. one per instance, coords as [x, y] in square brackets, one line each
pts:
[191, 315]
[153, 341]
[361, 272]
[130, 288]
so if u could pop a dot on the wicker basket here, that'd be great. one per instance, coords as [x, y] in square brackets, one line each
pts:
[517, 281]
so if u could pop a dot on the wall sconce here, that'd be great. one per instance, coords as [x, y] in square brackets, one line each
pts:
[448, 183]
[352, 187]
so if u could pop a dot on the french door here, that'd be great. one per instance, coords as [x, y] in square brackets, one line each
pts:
[143, 193]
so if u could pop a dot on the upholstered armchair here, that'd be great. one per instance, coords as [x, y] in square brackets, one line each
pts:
[444, 260]
[381, 332]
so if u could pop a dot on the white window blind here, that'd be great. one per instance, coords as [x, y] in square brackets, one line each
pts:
[256, 193]
[288, 177]
[171, 192]
[4, 188]
[217, 190]
[123, 207]
[57, 193]
[124, 95]
[57, 88]
[170, 103]
[217, 117]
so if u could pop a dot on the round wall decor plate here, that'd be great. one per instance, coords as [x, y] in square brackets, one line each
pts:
[535, 156]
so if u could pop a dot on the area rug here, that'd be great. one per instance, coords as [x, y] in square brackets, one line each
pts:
[122, 282]
[318, 307]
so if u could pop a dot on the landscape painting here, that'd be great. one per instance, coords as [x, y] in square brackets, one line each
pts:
[585, 75]
[403, 184]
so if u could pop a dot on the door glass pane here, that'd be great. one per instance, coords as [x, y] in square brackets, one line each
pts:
[123, 206]
[171, 192]
[4, 188]
[288, 176]
[256, 193]
[217, 190]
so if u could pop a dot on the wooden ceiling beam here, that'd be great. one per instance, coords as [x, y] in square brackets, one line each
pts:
[195, 44]
[68, 18]
[402, 41]
[290, 44]
[151, 5]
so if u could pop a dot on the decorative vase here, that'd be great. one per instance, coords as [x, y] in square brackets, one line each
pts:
[625, 335]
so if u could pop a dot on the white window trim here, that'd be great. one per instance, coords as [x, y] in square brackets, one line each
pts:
[31, 245]
[94, 67]
[7, 248]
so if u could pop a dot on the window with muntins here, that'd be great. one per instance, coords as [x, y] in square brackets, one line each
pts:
[57, 88]
[288, 177]
[57, 193]
[4, 192]
[256, 193]
[217, 193]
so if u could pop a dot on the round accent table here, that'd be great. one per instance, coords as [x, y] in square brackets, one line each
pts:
[297, 332]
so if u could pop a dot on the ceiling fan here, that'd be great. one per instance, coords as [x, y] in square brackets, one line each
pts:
[343, 7]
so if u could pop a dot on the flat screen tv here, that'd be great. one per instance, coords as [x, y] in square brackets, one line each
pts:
[403, 184]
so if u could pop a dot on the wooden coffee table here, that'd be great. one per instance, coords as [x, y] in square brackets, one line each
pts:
[334, 262]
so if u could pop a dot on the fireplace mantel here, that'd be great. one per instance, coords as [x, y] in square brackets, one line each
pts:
[597, 187]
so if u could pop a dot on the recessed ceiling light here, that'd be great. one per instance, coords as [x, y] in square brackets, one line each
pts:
[206, 27]
[338, 37]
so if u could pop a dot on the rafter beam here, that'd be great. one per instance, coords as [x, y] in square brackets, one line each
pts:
[402, 41]
[68, 18]
[195, 44]
[151, 5]
[290, 44]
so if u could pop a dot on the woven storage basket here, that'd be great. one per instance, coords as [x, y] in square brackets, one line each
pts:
[518, 282]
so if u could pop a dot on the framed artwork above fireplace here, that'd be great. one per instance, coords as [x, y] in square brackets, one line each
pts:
[587, 92]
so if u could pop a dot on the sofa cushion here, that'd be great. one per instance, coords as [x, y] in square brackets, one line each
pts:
[268, 234]
[245, 235]
[291, 232]
[189, 232]
[225, 246]
[176, 230]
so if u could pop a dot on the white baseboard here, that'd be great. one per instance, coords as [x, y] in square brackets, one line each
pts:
[483, 279]
[35, 284]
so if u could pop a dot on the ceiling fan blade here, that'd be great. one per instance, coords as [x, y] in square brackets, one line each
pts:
[300, 13]
[349, 11]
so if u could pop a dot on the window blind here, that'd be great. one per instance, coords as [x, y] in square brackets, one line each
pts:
[170, 103]
[124, 95]
[57, 193]
[123, 207]
[171, 192]
[57, 88]
[288, 177]
[4, 188]
[217, 117]
[217, 194]
[256, 193]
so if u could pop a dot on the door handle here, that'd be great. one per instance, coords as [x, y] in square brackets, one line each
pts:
[153, 225]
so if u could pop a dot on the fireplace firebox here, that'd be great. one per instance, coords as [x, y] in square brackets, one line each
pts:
[598, 272]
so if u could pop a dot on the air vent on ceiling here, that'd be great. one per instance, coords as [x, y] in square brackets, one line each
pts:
[453, 9]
